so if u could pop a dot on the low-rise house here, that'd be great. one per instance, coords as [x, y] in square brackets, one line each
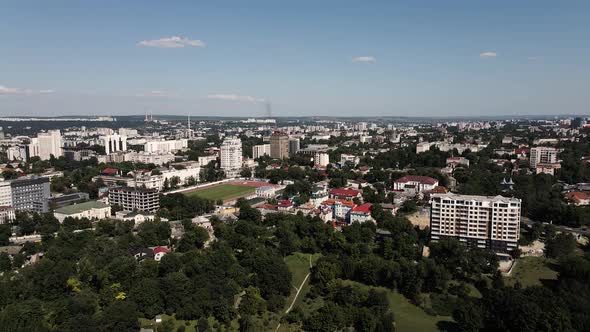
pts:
[138, 217]
[90, 210]
[415, 183]
[578, 198]
[547, 168]
[160, 252]
[344, 193]
[285, 205]
[266, 192]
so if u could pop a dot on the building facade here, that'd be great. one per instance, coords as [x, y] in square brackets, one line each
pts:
[260, 150]
[231, 156]
[131, 199]
[90, 210]
[279, 145]
[113, 143]
[46, 144]
[31, 194]
[479, 221]
[543, 155]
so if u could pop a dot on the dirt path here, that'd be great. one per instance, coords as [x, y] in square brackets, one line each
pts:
[298, 291]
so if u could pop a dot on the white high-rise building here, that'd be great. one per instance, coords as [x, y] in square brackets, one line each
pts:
[231, 156]
[5, 193]
[480, 221]
[114, 143]
[321, 159]
[46, 144]
[260, 150]
[543, 155]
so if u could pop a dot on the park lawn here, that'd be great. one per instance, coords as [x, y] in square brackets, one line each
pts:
[530, 271]
[408, 317]
[223, 191]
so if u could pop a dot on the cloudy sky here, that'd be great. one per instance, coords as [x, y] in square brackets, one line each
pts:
[324, 57]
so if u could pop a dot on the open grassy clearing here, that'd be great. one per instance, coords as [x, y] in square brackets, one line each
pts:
[223, 191]
[408, 317]
[530, 271]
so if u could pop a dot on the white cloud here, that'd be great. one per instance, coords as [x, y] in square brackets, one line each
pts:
[533, 58]
[4, 90]
[234, 97]
[368, 59]
[488, 54]
[155, 93]
[7, 90]
[172, 42]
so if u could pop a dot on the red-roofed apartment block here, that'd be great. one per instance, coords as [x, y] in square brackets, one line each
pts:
[361, 213]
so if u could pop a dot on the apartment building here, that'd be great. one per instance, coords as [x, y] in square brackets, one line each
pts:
[279, 145]
[260, 150]
[479, 221]
[31, 194]
[131, 199]
[46, 144]
[543, 155]
[231, 156]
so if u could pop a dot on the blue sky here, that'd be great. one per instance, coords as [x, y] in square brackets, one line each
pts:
[354, 58]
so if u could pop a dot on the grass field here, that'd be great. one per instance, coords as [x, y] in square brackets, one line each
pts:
[408, 317]
[530, 271]
[223, 191]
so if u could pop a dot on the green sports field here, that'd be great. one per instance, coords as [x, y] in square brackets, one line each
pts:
[223, 191]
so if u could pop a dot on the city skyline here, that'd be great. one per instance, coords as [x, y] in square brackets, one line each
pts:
[335, 58]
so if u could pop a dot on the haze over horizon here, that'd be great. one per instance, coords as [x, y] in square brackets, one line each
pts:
[334, 58]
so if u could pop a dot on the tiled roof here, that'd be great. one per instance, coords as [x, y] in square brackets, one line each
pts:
[417, 178]
[344, 192]
[365, 208]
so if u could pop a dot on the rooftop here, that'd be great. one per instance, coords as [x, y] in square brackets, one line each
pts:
[80, 207]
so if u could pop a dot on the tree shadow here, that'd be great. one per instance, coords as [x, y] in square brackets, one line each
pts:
[447, 326]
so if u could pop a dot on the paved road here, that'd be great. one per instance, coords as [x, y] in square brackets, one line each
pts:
[564, 229]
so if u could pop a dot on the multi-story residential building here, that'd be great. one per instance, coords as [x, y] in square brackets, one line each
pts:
[17, 152]
[205, 160]
[349, 159]
[279, 145]
[543, 155]
[321, 159]
[31, 194]
[7, 214]
[113, 143]
[165, 146]
[5, 193]
[149, 158]
[260, 150]
[231, 156]
[294, 146]
[46, 144]
[480, 221]
[90, 210]
[361, 213]
[131, 199]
